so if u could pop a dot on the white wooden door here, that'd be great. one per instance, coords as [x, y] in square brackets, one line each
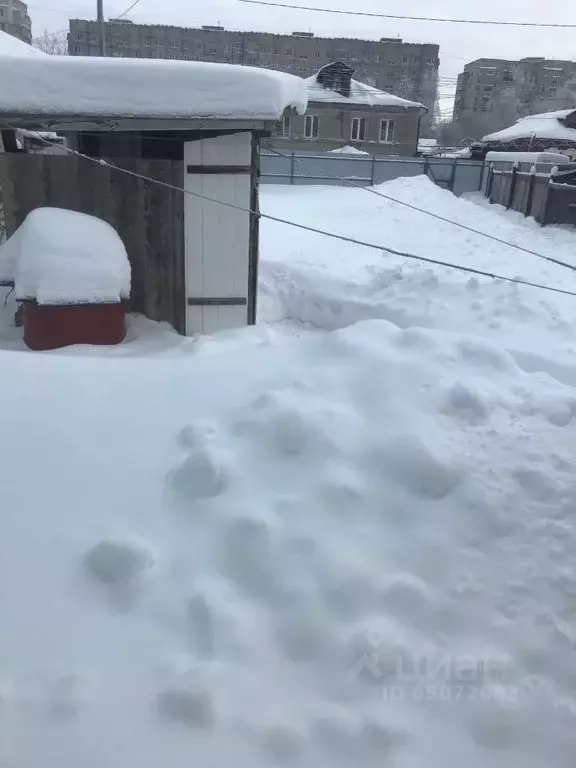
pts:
[217, 237]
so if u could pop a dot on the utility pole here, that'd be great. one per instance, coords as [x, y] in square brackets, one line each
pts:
[102, 31]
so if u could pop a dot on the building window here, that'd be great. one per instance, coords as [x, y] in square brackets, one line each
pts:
[405, 59]
[147, 42]
[311, 126]
[92, 39]
[120, 43]
[173, 43]
[358, 129]
[78, 35]
[317, 54]
[366, 57]
[285, 131]
[354, 56]
[386, 131]
[377, 57]
[289, 52]
[77, 49]
[429, 61]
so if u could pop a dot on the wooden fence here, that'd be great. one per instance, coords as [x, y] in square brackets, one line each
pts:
[148, 217]
[549, 199]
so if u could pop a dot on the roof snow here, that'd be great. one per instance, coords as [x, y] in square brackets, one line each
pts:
[132, 88]
[543, 126]
[360, 93]
[11, 46]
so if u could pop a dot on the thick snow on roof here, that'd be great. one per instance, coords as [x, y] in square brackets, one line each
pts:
[542, 126]
[527, 157]
[360, 93]
[59, 256]
[11, 46]
[116, 87]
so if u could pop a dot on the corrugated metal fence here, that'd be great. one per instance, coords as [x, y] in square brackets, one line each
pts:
[455, 174]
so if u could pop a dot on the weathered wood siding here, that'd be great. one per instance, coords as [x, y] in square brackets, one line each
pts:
[148, 217]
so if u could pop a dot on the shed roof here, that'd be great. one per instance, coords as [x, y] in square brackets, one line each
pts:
[132, 88]
[548, 126]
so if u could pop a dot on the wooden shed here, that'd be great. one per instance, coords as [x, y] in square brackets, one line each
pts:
[179, 145]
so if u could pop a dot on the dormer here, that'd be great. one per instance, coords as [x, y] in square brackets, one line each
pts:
[336, 77]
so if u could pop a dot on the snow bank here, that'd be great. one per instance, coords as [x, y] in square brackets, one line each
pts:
[544, 126]
[360, 93]
[118, 87]
[347, 151]
[11, 46]
[350, 547]
[60, 256]
[331, 284]
[322, 551]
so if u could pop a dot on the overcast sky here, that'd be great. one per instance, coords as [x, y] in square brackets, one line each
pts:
[459, 43]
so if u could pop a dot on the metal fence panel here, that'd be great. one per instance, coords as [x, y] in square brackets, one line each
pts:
[387, 170]
[309, 168]
[469, 177]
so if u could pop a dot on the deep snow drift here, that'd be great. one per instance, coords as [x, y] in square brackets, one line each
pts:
[351, 547]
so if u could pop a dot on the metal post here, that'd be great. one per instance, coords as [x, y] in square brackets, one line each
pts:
[373, 170]
[101, 29]
[292, 162]
[512, 188]
[528, 210]
[453, 174]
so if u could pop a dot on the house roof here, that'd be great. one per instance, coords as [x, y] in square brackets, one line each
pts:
[11, 46]
[360, 93]
[548, 126]
[132, 88]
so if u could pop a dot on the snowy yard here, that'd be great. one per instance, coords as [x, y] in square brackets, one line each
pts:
[343, 537]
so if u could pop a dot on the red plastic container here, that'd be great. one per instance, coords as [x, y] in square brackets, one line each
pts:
[51, 326]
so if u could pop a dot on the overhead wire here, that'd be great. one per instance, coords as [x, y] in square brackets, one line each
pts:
[412, 18]
[315, 230]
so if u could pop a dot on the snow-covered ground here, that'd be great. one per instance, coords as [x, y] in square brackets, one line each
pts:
[341, 538]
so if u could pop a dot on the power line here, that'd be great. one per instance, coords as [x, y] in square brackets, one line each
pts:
[134, 4]
[411, 18]
[315, 230]
[372, 191]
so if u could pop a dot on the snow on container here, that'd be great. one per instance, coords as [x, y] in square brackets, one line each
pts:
[527, 157]
[71, 272]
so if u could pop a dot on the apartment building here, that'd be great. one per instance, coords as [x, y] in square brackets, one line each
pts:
[14, 20]
[406, 69]
[529, 85]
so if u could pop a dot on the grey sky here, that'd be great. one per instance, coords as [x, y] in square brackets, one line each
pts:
[459, 43]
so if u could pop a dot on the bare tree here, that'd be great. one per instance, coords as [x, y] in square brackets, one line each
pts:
[53, 43]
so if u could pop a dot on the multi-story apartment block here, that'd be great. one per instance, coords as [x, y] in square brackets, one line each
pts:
[14, 19]
[406, 69]
[522, 87]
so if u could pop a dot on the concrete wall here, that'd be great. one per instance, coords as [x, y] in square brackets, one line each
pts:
[406, 69]
[335, 130]
[486, 83]
[14, 19]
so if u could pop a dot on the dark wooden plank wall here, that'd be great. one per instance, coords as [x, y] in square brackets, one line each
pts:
[148, 217]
